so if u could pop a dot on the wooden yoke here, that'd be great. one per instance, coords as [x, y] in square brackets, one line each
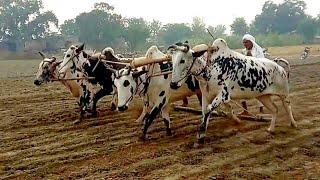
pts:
[141, 61]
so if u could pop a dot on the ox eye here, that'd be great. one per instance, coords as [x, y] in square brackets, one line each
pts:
[182, 61]
[68, 55]
[126, 83]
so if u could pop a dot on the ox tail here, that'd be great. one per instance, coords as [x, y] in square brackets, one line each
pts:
[279, 60]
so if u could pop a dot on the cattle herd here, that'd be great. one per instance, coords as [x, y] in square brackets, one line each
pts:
[215, 73]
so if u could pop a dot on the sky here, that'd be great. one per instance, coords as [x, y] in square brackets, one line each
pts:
[213, 12]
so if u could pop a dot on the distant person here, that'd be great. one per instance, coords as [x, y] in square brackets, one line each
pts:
[251, 47]
[254, 50]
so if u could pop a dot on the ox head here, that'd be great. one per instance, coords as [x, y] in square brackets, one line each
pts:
[183, 59]
[71, 58]
[46, 70]
[126, 82]
[218, 47]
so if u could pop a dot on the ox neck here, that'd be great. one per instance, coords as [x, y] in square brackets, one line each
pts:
[199, 66]
[142, 84]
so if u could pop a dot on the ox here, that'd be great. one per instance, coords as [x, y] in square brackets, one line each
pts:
[48, 70]
[78, 62]
[154, 90]
[225, 74]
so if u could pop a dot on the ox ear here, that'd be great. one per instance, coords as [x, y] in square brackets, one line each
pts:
[136, 74]
[198, 53]
[80, 48]
[110, 57]
[42, 55]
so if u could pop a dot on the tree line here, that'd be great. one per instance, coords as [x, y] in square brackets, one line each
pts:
[278, 24]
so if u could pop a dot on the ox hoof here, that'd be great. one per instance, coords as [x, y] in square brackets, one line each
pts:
[169, 132]
[77, 121]
[113, 107]
[294, 125]
[270, 131]
[201, 141]
[93, 114]
[145, 138]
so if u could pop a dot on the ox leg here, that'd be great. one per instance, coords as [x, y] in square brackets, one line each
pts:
[94, 101]
[114, 101]
[204, 120]
[222, 97]
[185, 102]
[231, 114]
[142, 115]
[150, 117]
[269, 104]
[199, 96]
[287, 106]
[166, 119]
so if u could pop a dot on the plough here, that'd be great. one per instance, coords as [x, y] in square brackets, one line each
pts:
[249, 117]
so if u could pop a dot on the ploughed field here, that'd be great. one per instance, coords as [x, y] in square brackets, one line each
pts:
[39, 140]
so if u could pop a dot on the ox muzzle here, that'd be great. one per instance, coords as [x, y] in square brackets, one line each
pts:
[37, 82]
[123, 108]
[174, 85]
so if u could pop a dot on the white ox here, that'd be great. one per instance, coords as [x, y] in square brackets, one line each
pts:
[155, 90]
[225, 74]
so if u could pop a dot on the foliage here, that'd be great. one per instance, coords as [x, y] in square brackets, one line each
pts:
[282, 18]
[308, 28]
[239, 26]
[136, 33]
[172, 33]
[22, 20]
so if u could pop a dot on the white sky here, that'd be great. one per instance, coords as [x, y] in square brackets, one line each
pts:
[213, 12]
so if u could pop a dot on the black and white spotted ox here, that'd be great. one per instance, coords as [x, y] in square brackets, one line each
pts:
[79, 62]
[155, 90]
[225, 74]
[48, 70]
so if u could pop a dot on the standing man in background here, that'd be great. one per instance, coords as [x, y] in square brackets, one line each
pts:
[254, 50]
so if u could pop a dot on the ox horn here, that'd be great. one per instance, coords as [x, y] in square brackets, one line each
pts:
[42, 55]
[136, 74]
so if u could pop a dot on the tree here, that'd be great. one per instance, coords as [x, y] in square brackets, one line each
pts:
[100, 27]
[308, 28]
[21, 20]
[40, 25]
[155, 27]
[69, 28]
[282, 18]
[265, 22]
[289, 14]
[218, 31]
[172, 33]
[136, 33]
[239, 26]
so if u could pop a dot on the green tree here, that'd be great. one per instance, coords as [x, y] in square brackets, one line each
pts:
[136, 33]
[218, 31]
[155, 27]
[239, 26]
[265, 22]
[99, 27]
[308, 28]
[282, 18]
[172, 33]
[21, 20]
[69, 28]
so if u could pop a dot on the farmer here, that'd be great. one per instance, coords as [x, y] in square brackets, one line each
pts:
[251, 49]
